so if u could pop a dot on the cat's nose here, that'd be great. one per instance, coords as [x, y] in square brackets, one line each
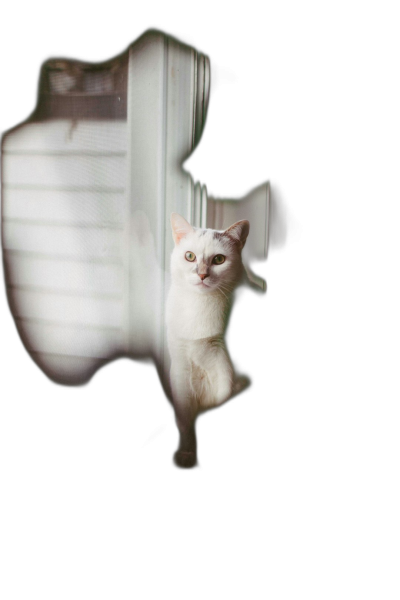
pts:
[203, 276]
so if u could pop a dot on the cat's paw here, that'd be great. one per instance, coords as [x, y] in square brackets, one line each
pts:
[240, 384]
[185, 459]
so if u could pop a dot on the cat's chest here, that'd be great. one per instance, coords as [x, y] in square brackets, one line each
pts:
[195, 316]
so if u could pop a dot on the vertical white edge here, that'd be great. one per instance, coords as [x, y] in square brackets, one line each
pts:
[162, 129]
[128, 212]
[147, 93]
[162, 222]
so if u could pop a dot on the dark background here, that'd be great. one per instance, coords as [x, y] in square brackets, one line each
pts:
[286, 105]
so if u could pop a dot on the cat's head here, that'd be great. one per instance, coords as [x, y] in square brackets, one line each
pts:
[205, 259]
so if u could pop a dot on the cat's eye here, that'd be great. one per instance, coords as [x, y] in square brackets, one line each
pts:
[190, 256]
[218, 259]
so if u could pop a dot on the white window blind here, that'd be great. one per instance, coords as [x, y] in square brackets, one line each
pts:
[86, 206]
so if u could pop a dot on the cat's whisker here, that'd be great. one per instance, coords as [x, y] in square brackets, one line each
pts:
[228, 287]
[220, 289]
[225, 287]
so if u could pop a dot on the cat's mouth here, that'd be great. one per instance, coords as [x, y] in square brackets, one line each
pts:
[202, 284]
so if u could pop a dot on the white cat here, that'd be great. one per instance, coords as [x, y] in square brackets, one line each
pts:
[206, 266]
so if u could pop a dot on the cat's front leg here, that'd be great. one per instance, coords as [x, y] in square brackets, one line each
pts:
[185, 412]
[223, 389]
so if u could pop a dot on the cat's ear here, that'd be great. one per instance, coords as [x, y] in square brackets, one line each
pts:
[238, 232]
[180, 227]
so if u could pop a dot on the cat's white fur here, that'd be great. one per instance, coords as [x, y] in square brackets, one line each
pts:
[196, 314]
